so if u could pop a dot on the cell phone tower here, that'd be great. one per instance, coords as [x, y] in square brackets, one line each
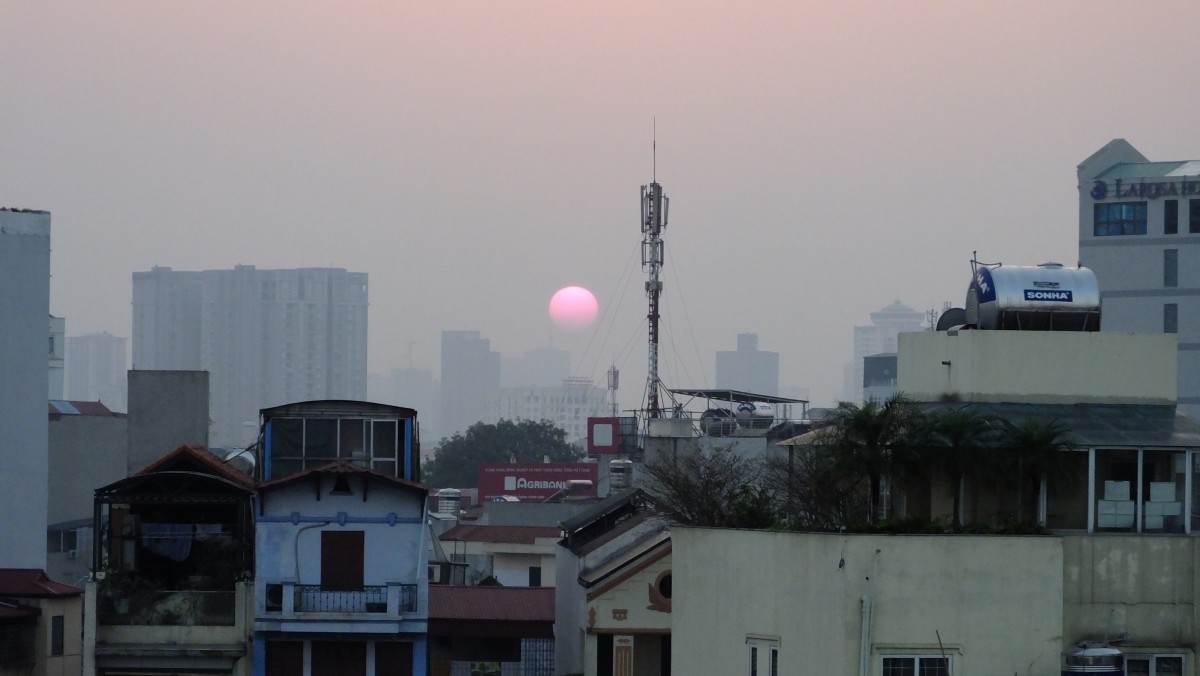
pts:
[654, 219]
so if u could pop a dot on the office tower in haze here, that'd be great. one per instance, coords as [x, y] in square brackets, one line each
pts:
[877, 338]
[96, 369]
[470, 376]
[748, 368]
[266, 337]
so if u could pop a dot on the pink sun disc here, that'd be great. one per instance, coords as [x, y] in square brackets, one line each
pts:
[573, 308]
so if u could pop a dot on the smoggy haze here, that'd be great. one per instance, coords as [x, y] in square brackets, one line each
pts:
[823, 159]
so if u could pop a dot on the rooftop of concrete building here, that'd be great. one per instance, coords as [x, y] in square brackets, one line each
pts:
[1127, 170]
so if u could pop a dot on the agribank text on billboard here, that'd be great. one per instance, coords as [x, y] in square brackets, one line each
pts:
[533, 481]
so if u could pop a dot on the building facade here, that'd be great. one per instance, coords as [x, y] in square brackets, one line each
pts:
[24, 306]
[568, 405]
[1139, 231]
[876, 338]
[58, 349]
[95, 369]
[265, 336]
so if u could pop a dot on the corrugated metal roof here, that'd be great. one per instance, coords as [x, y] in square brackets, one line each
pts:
[1189, 168]
[521, 535]
[1095, 425]
[32, 583]
[507, 604]
[181, 456]
[1127, 170]
[342, 467]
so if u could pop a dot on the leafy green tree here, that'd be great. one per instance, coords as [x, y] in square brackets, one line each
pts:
[872, 440]
[960, 441]
[1035, 452]
[456, 460]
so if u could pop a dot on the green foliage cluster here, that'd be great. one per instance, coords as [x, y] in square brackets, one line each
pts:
[837, 481]
[456, 460]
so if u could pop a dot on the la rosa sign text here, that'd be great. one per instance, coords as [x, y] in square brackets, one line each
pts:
[1144, 190]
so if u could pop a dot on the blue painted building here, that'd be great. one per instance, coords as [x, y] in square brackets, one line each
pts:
[341, 543]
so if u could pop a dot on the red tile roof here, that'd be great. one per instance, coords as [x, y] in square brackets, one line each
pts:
[492, 604]
[342, 467]
[202, 455]
[522, 535]
[32, 583]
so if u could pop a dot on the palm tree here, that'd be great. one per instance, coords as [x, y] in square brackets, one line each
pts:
[959, 439]
[1035, 448]
[869, 440]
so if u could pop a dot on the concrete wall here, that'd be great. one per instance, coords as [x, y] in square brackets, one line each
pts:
[512, 570]
[166, 410]
[86, 452]
[1143, 585]
[995, 601]
[24, 309]
[1038, 367]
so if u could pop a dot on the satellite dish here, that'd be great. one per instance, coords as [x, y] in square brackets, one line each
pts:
[955, 316]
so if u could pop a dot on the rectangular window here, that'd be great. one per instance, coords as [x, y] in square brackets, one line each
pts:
[774, 661]
[1154, 665]
[56, 635]
[916, 665]
[753, 660]
[535, 576]
[1170, 217]
[1170, 267]
[1170, 318]
[1125, 218]
[1193, 216]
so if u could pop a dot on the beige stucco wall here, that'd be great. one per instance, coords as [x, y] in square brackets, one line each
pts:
[1038, 366]
[996, 602]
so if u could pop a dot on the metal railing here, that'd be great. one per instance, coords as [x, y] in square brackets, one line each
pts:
[371, 599]
[117, 606]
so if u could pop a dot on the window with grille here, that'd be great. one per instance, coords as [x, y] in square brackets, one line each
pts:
[916, 665]
[1154, 665]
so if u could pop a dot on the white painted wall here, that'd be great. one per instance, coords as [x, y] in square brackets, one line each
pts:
[24, 308]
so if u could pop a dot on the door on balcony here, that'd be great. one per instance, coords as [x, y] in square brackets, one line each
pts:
[285, 658]
[339, 658]
[341, 559]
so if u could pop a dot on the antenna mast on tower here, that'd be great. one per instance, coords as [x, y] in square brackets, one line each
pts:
[654, 218]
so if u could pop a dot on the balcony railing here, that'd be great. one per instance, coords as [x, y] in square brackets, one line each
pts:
[390, 599]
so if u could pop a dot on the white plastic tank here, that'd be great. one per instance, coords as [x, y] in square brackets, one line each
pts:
[449, 500]
[755, 415]
[620, 475]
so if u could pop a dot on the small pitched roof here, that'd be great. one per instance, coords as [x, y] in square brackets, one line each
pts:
[33, 583]
[520, 535]
[190, 457]
[491, 604]
[341, 467]
[62, 407]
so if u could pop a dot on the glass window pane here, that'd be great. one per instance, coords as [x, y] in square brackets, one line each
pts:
[753, 661]
[1168, 665]
[352, 438]
[287, 437]
[1137, 666]
[899, 666]
[1162, 491]
[383, 440]
[387, 467]
[1116, 490]
[935, 666]
[320, 439]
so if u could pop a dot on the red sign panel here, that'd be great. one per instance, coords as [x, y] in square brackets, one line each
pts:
[534, 481]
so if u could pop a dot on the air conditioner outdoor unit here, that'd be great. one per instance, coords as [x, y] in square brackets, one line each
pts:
[72, 554]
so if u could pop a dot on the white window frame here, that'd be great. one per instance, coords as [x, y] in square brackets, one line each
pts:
[1153, 658]
[915, 657]
[760, 651]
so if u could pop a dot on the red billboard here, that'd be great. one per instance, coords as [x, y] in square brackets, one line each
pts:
[604, 436]
[534, 481]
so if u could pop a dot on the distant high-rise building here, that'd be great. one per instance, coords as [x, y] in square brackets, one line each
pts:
[1138, 227]
[876, 338]
[266, 337]
[96, 369]
[58, 332]
[470, 375]
[568, 405]
[410, 388]
[748, 368]
[24, 388]
[542, 367]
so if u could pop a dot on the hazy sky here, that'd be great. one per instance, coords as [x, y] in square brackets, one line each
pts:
[823, 159]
